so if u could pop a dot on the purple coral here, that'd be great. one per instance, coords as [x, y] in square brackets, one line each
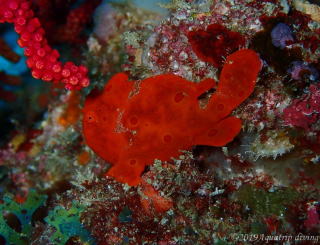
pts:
[281, 35]
[299, 67]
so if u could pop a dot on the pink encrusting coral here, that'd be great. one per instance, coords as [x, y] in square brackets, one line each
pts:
[312, 217]
[41, 58]
[305, 111]
[131, 128]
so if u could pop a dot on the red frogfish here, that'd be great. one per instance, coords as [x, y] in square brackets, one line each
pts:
[130, 124]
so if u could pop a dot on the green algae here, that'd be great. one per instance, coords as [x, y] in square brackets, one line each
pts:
[67, 224]
[23, 212]
[266, 203]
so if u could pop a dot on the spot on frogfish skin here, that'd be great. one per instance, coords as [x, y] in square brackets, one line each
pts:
[155, 120]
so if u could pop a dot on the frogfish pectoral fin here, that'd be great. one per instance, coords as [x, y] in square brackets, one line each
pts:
[220, 133]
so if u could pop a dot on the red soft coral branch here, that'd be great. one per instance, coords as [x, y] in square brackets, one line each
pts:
[42, 59]
[76, 21]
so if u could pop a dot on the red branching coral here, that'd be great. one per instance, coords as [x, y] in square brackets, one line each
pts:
[76, 21]
[42, 59]
[131, 128]
[6, 52]
[6, 95]
[216, 43]
[62, 21]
